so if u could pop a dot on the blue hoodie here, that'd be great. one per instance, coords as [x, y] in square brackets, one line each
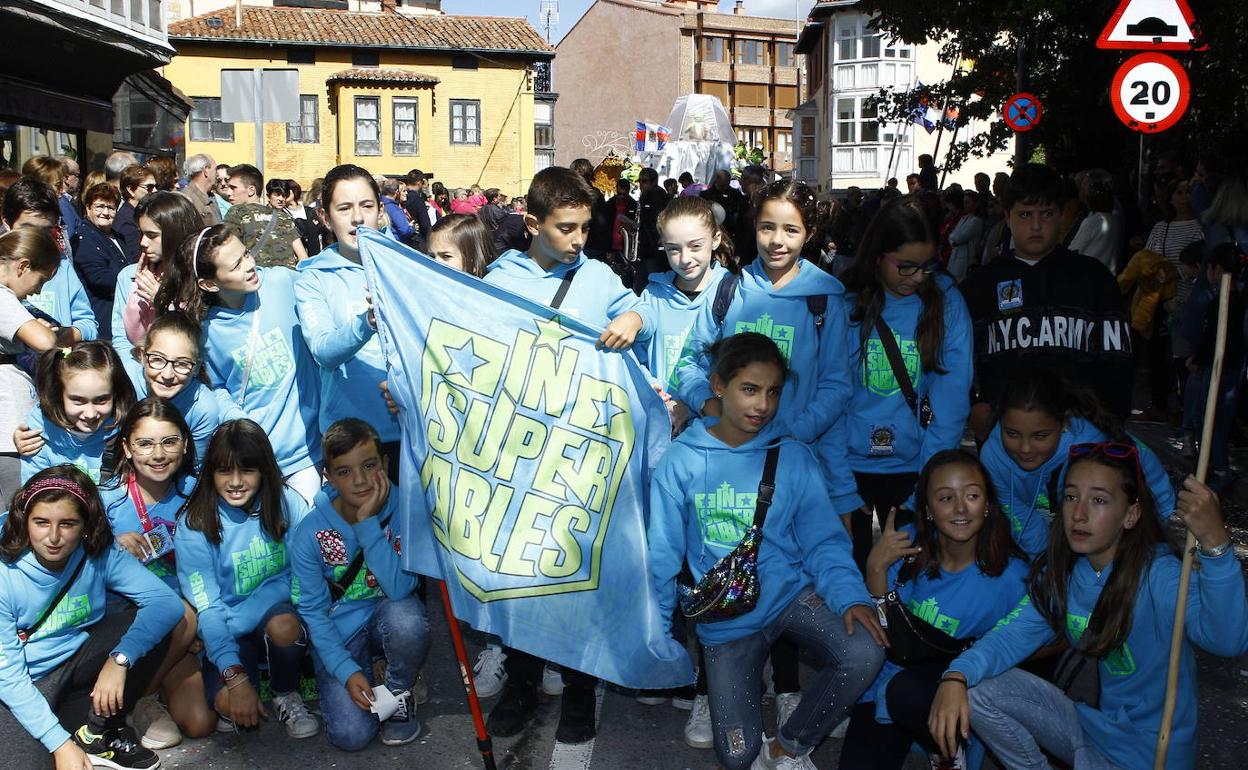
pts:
[65, 299]
[26, 589]
[85, 452]
[596, 296]
[197, 402]
[1133, 682]
[701, 504]
[282, 391]
[321, 549]
[121, 296]
[124, 517]
[234, 583]
[674, 314]
[330, 298]
[878, 404]
[1024, 494]
[818, 386]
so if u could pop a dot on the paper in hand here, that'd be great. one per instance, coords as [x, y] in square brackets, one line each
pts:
[384, 703]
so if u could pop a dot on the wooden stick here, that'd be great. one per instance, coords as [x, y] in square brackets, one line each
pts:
[1189, 547]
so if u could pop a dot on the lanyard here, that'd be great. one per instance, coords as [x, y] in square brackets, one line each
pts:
[140, 507]
[251, 353]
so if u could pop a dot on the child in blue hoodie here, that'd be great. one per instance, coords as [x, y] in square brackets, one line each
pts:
[1108, 585]
[1040, 418]
[31, 203]
[153, 480]
[331, 297]
[84, 395]
[232, 564]
[57, 561]
[958, 569]
[255, 355]
[890, 286]
[555, 272]
[353, 594]
[700, 254]
[703, 503]
[774, 297]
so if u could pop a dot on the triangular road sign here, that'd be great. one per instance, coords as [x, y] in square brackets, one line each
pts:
[1157, 25]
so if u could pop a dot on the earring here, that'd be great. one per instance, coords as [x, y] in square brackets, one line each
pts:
[719, 395]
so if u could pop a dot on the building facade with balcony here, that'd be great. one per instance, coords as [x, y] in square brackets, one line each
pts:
[455, 96]
[840, 140]
[62, 64]
[629, 60]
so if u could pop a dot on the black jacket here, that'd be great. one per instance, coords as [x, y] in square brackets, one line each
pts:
[649, 207]
[511, 234]
[126, 228]
[1064, 313]
[416, 206]
[98, 258]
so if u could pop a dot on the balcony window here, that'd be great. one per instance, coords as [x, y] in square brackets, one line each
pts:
[784, 55]
[713, 49]
[751, 52]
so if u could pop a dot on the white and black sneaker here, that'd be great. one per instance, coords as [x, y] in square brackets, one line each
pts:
[118, 748]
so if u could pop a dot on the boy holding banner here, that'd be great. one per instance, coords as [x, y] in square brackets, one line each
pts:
[555, 272]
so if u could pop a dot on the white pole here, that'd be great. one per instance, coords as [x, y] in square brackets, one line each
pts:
[257, 104]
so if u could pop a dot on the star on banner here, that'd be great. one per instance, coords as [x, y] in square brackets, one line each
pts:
[550, 334]
[464, 360]
[607, 410]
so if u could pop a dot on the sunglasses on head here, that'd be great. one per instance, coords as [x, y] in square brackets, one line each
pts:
[1113, 450]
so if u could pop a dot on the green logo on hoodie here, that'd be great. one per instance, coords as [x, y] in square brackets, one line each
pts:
[258, 563]
[725, 514]
[878, 376]
[270, 357]
[779, 333]
[1119, 662]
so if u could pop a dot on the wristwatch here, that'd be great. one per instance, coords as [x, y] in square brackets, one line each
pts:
[231, 672]
[120, 659]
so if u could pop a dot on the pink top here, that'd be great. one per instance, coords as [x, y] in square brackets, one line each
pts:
[137, 316]
[462, 206]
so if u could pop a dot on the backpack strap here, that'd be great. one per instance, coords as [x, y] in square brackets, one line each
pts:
[24, 634]
[564, 285]
[724, 294]
[767, 484]
[900, 372]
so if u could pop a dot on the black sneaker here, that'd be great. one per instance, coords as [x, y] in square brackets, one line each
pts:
[514, 709]
[118, 748]
[576, 715]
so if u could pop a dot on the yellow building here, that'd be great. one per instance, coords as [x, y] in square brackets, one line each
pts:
[450, 95]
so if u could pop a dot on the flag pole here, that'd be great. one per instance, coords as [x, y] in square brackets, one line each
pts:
[1189, 547]
[470, 688]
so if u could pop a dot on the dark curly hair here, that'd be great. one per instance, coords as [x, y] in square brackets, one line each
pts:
[51, 485]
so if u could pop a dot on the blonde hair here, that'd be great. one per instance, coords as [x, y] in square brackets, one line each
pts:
[33, 244]
[46, 169]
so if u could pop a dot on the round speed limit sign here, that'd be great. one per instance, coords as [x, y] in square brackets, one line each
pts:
[1150, 92]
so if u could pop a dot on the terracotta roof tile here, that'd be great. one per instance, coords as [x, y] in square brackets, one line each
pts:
[370, 75]
[314, 26]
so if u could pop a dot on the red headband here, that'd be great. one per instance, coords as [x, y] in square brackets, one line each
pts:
[48, 485]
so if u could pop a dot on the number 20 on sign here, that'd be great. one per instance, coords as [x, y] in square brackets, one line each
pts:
[1150, 92]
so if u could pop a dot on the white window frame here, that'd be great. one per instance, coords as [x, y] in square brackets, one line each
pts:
[468, 114]
[403, 146]
[367, 147]
[302, 131]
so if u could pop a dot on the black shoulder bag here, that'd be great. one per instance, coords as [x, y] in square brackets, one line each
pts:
[912, 639]
[24, 634]
[338, 588]
[921, 409]
[730, 588]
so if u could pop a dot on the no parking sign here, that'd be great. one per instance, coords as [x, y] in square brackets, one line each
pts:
[1150, 92]
[1022, 111]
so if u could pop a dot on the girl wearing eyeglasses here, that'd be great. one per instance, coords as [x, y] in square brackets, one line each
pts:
[1107, 584]
[1039, 418]
[152, 482]
[893, 283]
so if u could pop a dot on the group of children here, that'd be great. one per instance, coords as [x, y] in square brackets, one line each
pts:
[236, 441]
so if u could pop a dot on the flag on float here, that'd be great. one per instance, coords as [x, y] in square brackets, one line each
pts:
[526, 457]
[651, 137]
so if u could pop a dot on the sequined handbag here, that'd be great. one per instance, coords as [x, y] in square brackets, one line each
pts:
[730, 588]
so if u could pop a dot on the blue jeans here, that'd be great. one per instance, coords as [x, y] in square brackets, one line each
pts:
[1018, 714]
[397, 631]
[255, 648]
[734, 673]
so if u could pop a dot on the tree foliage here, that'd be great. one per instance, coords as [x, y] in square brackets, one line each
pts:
[1069, 75]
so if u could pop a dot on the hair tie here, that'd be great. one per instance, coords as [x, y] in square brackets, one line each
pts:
[66, 351]
[199, 239]
[51, 484]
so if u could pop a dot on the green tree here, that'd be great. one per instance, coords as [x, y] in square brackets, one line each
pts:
[1069, 74]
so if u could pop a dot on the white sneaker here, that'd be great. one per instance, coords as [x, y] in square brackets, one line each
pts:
[153, 723]
[698, 733]
[294, 714]
[786, 703]
[764, 761]
[652, 697]
[488, 673]
[552, 680]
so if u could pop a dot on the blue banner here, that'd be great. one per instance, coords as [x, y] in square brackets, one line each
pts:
[527, 456]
